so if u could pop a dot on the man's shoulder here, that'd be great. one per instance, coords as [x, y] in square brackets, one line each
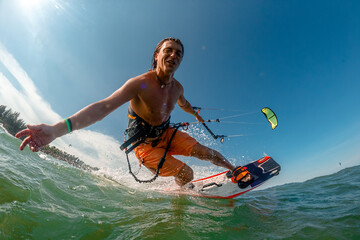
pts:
[178, 84]
[143, 77]
[146, 75]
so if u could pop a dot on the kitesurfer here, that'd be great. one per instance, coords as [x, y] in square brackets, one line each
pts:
[152, 98]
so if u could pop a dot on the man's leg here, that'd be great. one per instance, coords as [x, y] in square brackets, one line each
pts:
[150, 156]
[204, 153]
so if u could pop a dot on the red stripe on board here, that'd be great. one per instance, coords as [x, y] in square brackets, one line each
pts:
[231, 196]
[209, 177]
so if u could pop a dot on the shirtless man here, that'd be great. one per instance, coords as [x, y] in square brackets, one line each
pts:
[152, 97]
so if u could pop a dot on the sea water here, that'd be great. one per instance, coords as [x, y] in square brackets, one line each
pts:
[44, 198]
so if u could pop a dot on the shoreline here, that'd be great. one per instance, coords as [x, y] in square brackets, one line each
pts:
[59, 154]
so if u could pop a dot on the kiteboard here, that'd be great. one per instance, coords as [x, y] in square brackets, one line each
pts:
[221, 186]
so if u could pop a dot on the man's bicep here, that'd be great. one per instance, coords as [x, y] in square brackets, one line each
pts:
[181, 101]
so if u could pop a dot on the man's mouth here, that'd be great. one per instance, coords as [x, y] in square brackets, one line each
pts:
[171, 62]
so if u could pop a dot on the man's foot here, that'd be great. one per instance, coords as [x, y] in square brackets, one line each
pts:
[246, 178]
[245, 181]
[242, 177]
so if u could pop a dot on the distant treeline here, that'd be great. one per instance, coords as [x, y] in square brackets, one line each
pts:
[13, 125]
[11, 121]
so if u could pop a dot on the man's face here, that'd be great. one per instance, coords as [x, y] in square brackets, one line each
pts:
[169, 56]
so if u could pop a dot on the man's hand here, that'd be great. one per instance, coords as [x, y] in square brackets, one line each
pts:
[37, 136]
[199, 118]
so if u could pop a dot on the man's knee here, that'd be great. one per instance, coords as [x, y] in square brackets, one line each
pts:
[185, 175]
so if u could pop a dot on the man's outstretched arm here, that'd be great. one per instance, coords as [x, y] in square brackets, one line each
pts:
[43, 134]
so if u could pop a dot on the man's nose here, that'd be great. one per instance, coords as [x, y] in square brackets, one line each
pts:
[173, 53]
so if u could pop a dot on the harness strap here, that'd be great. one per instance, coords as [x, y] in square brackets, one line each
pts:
[135, 145]
[162, 160]
[138, 135]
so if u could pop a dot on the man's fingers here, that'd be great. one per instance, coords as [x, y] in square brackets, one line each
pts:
[22, 133]
[25, 142]
[34, 148]
[30, 129]
[200, 119]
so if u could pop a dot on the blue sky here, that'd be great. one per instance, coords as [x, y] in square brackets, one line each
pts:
[299, 58]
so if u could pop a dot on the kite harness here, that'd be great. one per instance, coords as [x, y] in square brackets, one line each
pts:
[138, 131]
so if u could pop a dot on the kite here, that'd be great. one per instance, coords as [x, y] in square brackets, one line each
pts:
[270, 116]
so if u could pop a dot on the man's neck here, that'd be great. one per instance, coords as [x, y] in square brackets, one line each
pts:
[163, 78]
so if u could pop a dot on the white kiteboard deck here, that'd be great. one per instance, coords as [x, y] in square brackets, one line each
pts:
[220, 186]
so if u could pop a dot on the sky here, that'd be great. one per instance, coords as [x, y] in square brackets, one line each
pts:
[300, 58]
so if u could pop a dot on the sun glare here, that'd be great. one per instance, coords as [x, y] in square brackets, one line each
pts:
[30, 4]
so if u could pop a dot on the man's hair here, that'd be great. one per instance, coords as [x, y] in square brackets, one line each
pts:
[159, 45]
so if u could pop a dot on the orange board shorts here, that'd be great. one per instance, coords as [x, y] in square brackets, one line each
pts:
[182, 144]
